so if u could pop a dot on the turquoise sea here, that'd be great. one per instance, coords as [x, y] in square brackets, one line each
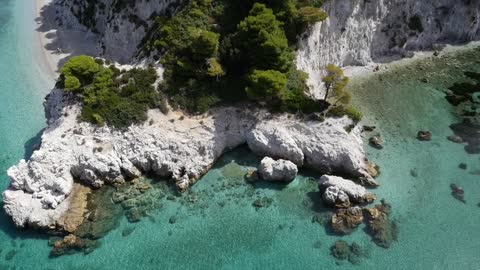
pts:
[215, 226]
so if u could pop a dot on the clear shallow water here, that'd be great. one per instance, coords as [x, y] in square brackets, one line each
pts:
[222, 230]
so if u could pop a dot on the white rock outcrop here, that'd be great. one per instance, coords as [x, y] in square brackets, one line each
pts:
[335, 187]
[360, 32]
[167, 146]
[277, 170]
[335, 196]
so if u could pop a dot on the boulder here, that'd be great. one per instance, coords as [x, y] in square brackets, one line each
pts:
[277, 170]
[336, 197]
[355, 192]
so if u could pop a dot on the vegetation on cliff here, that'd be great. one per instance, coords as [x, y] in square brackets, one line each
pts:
[230, 50]
[110, 96]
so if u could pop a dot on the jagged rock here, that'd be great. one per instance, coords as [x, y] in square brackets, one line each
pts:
[379, 225]
[424, 135]
[355, 192]
[336, 197]
[344, 221]
[279, 170]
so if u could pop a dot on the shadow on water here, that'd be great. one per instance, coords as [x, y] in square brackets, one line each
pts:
[32, 144]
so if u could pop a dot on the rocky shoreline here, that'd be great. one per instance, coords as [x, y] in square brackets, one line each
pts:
[173, 146]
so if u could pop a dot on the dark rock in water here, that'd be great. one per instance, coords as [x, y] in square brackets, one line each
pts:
[455, 139]
[354, 253]
[262, 202]
[458, 192]
[340, 250]
[172, 220]
[414, 172]
[71, 244]
[9, 256]
[469, 132]
[424, 135]
[379, 225]
[347, 220]
[478, 204]
[375, 142]
[317, 244]
[462, 166]
[127, 231]
[368, 128]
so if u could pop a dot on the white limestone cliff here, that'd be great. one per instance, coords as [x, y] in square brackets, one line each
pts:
[360, 32]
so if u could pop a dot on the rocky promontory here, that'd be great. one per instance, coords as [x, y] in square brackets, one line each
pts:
[173, 145]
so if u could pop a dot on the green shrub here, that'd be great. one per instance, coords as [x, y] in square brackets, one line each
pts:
[267, 85]
[109, 96]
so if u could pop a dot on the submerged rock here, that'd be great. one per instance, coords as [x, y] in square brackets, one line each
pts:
[354, 253]
[347, 220]
[462, 166]
[455, 139]
[376, 142]
[355, 192]
[9, 255]
[458, 192]
[71, 244]
[424, 135]
[279, 170]
[380, 227]
[263, 202]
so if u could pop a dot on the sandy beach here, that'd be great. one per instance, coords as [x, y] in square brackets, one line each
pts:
[60, 43]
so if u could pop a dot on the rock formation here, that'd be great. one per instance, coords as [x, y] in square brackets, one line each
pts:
[355, 192]
[344, 221]
[277, 170]
[184, 150]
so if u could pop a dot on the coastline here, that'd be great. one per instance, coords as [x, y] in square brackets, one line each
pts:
[360, 71]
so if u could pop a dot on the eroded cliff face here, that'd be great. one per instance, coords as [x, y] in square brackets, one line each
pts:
[119, 26]
[359, 32]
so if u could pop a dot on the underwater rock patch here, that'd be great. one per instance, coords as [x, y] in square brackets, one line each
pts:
[345, 221]
[342, 251]
[71, 244]
[380, 227]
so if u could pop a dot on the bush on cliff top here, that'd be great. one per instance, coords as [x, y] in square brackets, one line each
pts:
[109, 96]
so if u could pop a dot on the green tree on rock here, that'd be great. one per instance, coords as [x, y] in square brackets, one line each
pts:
[267, 85]
[79, 71]
[260, 38]
[335, 81]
